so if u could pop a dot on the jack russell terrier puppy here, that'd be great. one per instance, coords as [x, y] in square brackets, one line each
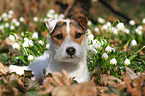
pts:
[68, 50]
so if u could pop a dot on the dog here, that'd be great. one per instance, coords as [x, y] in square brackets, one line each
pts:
[68, 49]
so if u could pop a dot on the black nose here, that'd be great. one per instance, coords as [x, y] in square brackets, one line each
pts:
[70, 50]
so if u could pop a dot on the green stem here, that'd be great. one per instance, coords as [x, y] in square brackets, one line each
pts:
[137, 52]
[111, 31]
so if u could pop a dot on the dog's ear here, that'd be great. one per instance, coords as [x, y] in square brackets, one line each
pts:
[51, 23]
[83, 21]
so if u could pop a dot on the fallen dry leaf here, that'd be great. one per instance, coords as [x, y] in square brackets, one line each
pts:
[101, 89]
[130, 73]
[9, 91]
[134, 82]
[3, 69]
[56, 80]
[109, 94]
[112, 81]
[82, 89]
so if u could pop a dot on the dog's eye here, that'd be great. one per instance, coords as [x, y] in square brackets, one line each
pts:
[78, 35]
[59, 36]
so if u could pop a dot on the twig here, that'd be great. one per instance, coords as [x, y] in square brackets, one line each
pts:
[103, 2]
[69, 8]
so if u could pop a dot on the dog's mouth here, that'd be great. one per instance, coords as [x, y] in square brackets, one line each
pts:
[71, 59]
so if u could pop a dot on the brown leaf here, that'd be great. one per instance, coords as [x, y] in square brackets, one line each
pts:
[129, 73]
[109, 94]
[56, 80]
[101, 89]
[15, 81]
[9, 91]
[82, 89]
[3, 69]
[112, 81]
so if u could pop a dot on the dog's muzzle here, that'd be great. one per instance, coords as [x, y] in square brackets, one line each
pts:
[70, 51]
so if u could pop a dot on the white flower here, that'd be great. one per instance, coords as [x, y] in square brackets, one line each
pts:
[108, 24]
[113, 61]
[126, 30]
[1, 27]
[90, 36]
[89, 23]
[108, 49]
[25, 44]
[17, 23]
[90, 47]
[26, 39]
[0, 18]
[120, 26]
[138, 31]
[12, 38]
[35, 19]
[4, 15]
[49, 15]
[14, 20]
[18, 69]
[143, 21]
[21, 19]
[9, 16]
[96, 29]
[30, 57]
[52, 11]
[6, 25]
[35, 35]
[47, 46]
[11, 12]
[140, 27]
[16, 45]
[133, 43]
[105, 56]
[41, 42]
[12, 27]
[22, 33]
[114, 31]
[132, 22]
[93, 51]
[96, 44]
[61, 16]
[127, 62]
[89, 31]
[104, 27]
[101, 20]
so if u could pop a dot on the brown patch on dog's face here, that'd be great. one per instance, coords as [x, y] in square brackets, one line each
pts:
[59, 34]
[77, 33]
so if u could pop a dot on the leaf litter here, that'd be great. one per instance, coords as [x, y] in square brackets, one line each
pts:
[56, 84]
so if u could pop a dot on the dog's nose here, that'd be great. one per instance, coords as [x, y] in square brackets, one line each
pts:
[70, 50]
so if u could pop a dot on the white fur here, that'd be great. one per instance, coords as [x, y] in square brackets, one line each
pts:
[58, 59]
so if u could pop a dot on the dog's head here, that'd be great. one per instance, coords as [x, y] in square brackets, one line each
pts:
[68, 39]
